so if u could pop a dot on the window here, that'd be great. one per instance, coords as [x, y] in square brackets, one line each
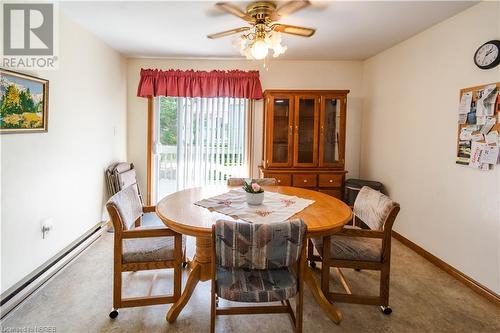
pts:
[199, 141]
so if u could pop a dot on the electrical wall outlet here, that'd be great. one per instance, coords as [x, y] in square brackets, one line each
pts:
[46, 225]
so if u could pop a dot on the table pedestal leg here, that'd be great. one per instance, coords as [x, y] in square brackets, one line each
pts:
[331, 310]
[200, 271]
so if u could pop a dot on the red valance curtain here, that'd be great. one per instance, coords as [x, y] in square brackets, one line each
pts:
[176, 83]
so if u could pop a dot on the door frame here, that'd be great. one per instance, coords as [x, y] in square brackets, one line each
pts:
[150, 152]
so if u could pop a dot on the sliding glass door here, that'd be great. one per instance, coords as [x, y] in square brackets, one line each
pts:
[198, 142]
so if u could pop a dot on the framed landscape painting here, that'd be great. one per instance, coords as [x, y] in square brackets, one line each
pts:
[23, 103]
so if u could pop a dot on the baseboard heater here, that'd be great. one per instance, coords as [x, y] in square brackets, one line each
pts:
[13, 296]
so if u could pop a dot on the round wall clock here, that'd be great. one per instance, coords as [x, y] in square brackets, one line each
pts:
[488, 55]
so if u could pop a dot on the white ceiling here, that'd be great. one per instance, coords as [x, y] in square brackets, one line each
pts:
[345, 29]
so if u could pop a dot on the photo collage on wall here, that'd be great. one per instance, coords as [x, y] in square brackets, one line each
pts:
[479, 127]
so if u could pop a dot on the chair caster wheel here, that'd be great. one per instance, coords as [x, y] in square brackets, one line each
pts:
[184, 264]
[386, 310]
[113, 314]
[312, 263]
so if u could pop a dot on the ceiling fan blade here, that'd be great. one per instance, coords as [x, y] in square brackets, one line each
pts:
[227, 32]
[291, 7]
[293, 30]
[232, 9]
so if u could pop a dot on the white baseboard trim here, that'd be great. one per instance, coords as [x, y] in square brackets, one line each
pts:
[19, 292]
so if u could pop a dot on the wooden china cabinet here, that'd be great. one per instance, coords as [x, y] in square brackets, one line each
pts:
[304, 139]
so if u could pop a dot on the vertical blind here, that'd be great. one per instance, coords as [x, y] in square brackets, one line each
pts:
[211, 143]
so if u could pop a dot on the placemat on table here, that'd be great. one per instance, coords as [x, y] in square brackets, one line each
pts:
[276, 207]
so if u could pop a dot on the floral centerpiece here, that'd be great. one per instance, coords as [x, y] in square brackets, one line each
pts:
[254, 192]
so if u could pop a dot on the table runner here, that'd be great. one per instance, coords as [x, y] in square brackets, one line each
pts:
[276, 207]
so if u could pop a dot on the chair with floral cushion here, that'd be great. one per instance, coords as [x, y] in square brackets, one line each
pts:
[258, 263]
[358, 248]
[141, 248]
[260, 181]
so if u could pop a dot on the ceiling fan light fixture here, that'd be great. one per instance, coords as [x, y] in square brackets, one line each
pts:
[273, 38]
[264, 33]
[274, 41]
[279, 50]
[240, 42]
[259, 49]
[247, 53]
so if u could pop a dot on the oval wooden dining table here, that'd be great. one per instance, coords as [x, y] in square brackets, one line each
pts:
[326, 216]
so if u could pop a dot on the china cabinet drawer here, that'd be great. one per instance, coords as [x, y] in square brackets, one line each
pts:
[305, 180]
[330, 180]
[337, 193]
[281, 179]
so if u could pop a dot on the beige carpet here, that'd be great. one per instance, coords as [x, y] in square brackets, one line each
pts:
[423, 298]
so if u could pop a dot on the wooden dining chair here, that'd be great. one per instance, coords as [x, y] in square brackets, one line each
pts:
[260, 181]
[358, 248]
[138, 248]
[258, 263]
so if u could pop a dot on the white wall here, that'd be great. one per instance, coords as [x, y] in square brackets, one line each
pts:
[409, 142]
[60, 174]
[405, 98]
[278, 74]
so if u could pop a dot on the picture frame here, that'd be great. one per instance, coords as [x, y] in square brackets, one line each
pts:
[24, 103]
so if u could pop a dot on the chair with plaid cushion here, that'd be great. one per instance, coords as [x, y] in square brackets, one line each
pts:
[260, 181]
[358, 248]
[258, 263]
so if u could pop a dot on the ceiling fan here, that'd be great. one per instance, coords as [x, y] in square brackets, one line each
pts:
[264, 31]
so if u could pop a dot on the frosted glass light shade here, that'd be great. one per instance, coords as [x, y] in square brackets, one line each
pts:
[259, 49]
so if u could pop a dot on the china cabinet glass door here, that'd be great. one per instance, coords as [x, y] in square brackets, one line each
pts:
[332, 132]
[281, 120]
[306, 129]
